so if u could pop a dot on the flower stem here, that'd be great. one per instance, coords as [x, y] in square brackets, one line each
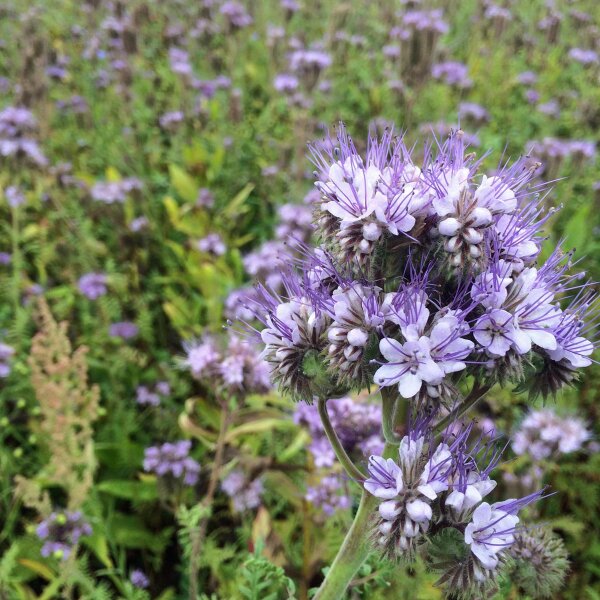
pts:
[351, 469]
[352, 554]
[389, 403]
[354, 549]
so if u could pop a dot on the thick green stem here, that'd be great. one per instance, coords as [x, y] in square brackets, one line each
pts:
[352, 554]
[355, 548]
[351, 469]
[389, 401]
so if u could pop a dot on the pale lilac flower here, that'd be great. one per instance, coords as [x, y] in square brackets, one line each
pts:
[172, 460]
[124, 330]
[93, 285]
[61, 532]
[245, 495]
[212, 244]
[138, 579]
[14, 196]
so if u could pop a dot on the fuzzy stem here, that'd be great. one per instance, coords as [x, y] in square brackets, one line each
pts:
[351, 469]
[389, 403]
[354, 549]
[476, 394]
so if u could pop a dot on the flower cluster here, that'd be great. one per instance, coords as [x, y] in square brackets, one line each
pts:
[245, 495]
[6, 354]
[92, 285]
[434, 487]
[17, 125]
[330, 494]
[234, 367]
[424, 274]
[60, 532]
[172, 460]
[544, 434]
[145, 396]
[110, 192]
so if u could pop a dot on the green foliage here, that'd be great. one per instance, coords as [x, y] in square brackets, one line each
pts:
[262, 580]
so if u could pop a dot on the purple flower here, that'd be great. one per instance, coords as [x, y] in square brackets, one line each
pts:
[544, 434]
[452, 73]
[172, 460]
[93, 285]
[110, 192]
[329, 495]
[212, 244]
[14, 196]
[5, 258]
[6, 354]
[124, 330]
[585, 57]
[60, 532]
[245, 495]
[138, 224]
[205, 198]
[236, 15]
[146, 397]
[286, 83]
[138, 579]
[169, 121]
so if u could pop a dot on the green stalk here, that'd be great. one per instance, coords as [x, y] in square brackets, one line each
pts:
[356, 546]
[353, 552]
[389, 401]
[351, 469]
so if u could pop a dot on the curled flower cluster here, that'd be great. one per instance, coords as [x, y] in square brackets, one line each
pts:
[60, 532]
[237, 366]
[172, 460]
[437, 487]
[425, 274]
[544, 434]
[245, 495]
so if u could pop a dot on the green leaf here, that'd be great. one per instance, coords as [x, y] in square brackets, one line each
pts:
[143, 491]
[183, 183]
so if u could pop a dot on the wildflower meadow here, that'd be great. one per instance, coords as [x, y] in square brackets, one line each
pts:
[299, 300]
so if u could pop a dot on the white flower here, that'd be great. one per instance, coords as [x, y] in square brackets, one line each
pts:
[490, 531]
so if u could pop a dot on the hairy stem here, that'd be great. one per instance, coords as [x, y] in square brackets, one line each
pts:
[351, 469]
[200, 534]
[389, 402]
[475, 395]
[354, 549]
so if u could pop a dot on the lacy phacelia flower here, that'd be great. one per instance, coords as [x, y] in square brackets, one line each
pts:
[438, 489]
[92, 285]
[235, 366]
[124, 330]
[60, 532]
[544, 434]
[138, 579]
[244, 494]
[329, 495]
[172, 460]
[6, 354]
[426, 273]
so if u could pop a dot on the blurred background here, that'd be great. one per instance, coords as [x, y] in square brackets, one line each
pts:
[153, 166]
